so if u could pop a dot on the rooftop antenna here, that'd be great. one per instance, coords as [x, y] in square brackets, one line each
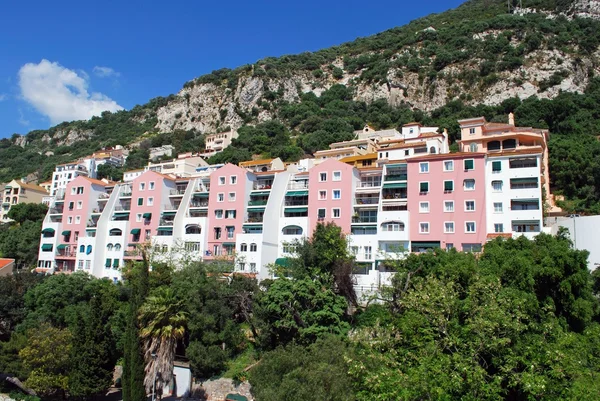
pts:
[514, 5]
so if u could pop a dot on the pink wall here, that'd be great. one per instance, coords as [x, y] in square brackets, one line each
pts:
[240, 188]
[160, 195]
[436, 197]
[346, 185]
[83, 213]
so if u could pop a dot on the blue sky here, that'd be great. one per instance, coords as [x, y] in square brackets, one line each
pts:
[64, 60]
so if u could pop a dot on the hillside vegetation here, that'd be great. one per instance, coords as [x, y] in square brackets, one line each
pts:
[470, 61]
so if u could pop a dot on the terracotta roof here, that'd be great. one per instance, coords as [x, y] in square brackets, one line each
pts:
[370, 168]
[458, 155]
[430, 134]
[412, 123]
[45, 182]
[534, 150]
[381, 143]
[255, 162]
[407, 145]
[94, 181]
[32, 187]
[5, 262]
[351, 159]
[270, 172]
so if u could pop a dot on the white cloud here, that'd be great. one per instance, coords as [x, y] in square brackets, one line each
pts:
[3, 97]
[60, 93]
[103, 72]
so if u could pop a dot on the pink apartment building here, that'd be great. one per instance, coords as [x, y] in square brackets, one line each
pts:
[229, 189]
[446, 201]
[80, 200]
[331, 193]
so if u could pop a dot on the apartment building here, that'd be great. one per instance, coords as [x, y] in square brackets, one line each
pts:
[16, 192]
[183, 166]
[65, 173]
[386, 204]
[215, 143]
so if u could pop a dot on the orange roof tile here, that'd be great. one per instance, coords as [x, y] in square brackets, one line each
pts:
[94, 181]
[32, 187]
[458, 155]
[5, 262]
[255, 162]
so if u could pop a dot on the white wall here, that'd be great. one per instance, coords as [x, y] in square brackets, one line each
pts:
[583, 231]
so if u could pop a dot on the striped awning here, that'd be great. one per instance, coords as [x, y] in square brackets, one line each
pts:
[297, 193]
[394, 185]
[46, 247]
[296, 209]
[535, 201]
[136, 231]
[66, 232]
[48, 231]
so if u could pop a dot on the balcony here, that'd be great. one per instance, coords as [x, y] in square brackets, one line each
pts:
[170, 207]
[166, 223]
[125, 194]
[199, 204]
[370, 184]
[92, 224]
[176, 192]
[122, 208]
[55, 210]
[262, 185]
[132, 254]
[65, 253]
[254, 219]
[296, 185]
[103, 197]
[367, 200]
[395, 177]
[259, 202]
[364, 219]
[297, 202]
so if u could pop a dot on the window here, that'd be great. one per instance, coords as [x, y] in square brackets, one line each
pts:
[496, 166]
[147, 234]
[449, 227]
[449, 206]
[497, 186]
[449, 165]
[449, 246]
[76, 235]
[230, 214]
[423, 188]
[337, 194]
[252, 267]
[498, 228]
[79, 204]
[322, 195]
[73, 191]
[292, 230]
[138, 217]
[469, 185]
[219, 213]
[242, 266]
[423, 207]
[233, 179]
[70, 204]
[232, 197]
[109, 247]
[287, 248]
[70, 220]
[523, 183]
[321, 213]
[77, 219]
[335, 213]
[115, 232]
[368, 252]
[217, 232]
[424, 167]
[469, 206]
[448, 186]
[142, 186]
[80, 264]
[253, 247]
[216, 250]
[392, 226]
[221, 180]
[470, 227]
[230, 231]
[151, 185]
[473, 147]
[471, 247]
[79, 190]
[471, 131]
[221, 197]
[497, 207]
[322, 177]
[117, 247]
[337, 176]
[88, 250]
[150, 201]
[81, 248]
[424, 228]
[244, 247]
[140, 201]
[469, 164]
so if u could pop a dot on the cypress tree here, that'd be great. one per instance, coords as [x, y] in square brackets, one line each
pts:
[133, 362]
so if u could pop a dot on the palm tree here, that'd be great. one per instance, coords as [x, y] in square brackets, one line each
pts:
[162, 323]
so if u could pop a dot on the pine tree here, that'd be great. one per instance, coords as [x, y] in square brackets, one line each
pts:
[133, 362]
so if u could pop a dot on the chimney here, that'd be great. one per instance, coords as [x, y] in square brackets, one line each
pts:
[511, 118]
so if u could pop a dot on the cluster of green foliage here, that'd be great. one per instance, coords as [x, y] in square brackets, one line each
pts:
[20, 238]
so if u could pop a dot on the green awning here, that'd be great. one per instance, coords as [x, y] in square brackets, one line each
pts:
[66, 232]
[256, 208]
[147, 215]
[136, 231]
[389, 166]
[283, 262]
[536, 201]
[46, 247]
[394, 185]
[201, 194]
[121, 213]
[252, 226]
[297, 193]
[523, 180]
[115, 262]
[166, 230]
[416, 244]
[235, 397]
[107, 264]
[61, 247]
[260, 193]
[48, 231]
[169, 212]
[525, 222]
[448, 185]
[296, 209]
[374, 225]
[228, 243]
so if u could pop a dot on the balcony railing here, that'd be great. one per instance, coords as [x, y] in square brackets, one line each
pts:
[298, 185]
[170, 207]
[125, 193]
[370, 184]
[394, 196]
[56, 210]
[102, 196]
[395, 177]
[364, 219]
[177, 192]
[261, 202]
[366, 201]
[199, 204]
[92, 224]
[66, 253]
[166, 223]
[296, 202]
[133, 253]
[122, 208]
[261, 185]
[254, 219]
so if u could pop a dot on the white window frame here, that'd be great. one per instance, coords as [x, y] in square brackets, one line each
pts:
[221, 197]
[421, 209]
[467, 227]
[232, 179]
[465, 184]
[421, 231]
[446, 191]
[142, 186]
[339, 178]
[446, 231]
[231, 198]
[451, 202]
[496, 228]
[428, 187]
[334, 211]
[77, 219]
[471, 131]
[451, 165]
[423, 164]
[79, 205]
[322, 194]
[333, 194]
[501, 207]
[218, 213]
[151, 185]
[501, 186]
[322, 177]
[222, 180]
[138, 217]
[474, 205]
[319, 213]
[150, 201]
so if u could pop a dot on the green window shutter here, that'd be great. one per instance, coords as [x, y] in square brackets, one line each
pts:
[469, 164]
[140, 201]
[107, 263]
[115, 263]
[497, 166]
[424, 187]
[448, 185]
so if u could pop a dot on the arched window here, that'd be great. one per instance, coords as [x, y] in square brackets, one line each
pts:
[432, 150]
[88, 250]
[392, 226]
[244, 247]
[473, 147]
[109, 247]
[253, 247]
[493, 145]
[193, 229]
[115, 232]
[82, 248]
[117, 247]
[165, 248]
[509, 144]
[292, 230]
